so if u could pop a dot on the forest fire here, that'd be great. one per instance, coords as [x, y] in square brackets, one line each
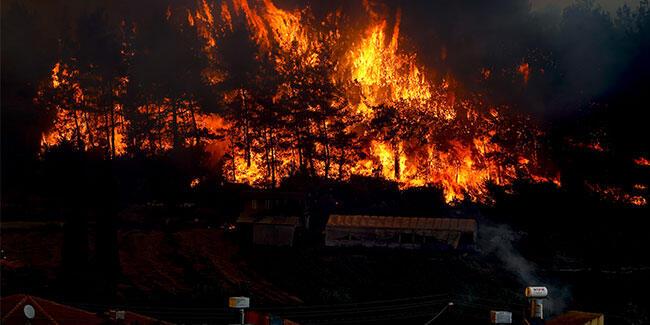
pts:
[326, 161]
[325, 102]
[617, 194]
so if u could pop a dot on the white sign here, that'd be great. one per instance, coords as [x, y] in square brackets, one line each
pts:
[120, 314]
[536, 292]
[239, 302]
[29, 311]
[500, 317]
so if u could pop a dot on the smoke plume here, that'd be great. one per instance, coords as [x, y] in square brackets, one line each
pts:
[500, 241]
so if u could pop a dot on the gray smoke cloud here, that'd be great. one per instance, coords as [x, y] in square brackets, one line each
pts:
[499, 241]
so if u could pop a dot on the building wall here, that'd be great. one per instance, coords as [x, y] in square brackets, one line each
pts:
[392, 238]
[273, 235]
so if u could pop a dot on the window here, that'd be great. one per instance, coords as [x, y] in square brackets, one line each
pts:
[406, 238]
[338, 235]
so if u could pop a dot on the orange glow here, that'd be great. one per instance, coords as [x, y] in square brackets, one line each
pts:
[190, 18]
[642, 161]
[486, 73]
[225, 15]
[407, 125]
[524, 70]
[617, 194]
[374, 71]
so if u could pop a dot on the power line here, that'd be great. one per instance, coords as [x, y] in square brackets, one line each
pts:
[439, 313]
[299, 307]
[364, 310]
[358, 312]
[358, 303]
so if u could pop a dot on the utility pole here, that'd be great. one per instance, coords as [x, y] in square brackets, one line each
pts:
[536, 296]
[500, 317]
[240, 303]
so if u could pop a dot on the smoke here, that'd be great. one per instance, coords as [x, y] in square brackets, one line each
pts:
[577, 52]
[499, 241]
[576, 55]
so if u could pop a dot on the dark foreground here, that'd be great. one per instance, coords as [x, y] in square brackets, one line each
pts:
[183, 273]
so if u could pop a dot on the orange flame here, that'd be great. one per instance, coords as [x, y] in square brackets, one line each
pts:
[375, 76]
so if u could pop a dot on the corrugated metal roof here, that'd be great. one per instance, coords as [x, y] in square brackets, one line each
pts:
[362, 221]
[577, 318]
[278, 220]
[267, 219]
[50, 312]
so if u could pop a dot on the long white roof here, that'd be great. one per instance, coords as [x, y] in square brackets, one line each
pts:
[392, 222]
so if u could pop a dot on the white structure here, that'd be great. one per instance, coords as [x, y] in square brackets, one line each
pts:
[240, 303]
[536, 296]
[500, 317]
[400, 232]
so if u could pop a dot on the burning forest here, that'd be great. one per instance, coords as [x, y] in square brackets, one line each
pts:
[306, 153]
[288, 91]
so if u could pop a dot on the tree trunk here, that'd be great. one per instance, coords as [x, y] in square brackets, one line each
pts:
[273, 169]
[301, 163]
[396, 156]
[267, 155]
[112, 126]
[89, 130]
[77, 131]
[175, 138]
[341, 163]
[246, 121]
[327, 151]
[197, 138]
[272, 148]
[247, 144]
[234, 161]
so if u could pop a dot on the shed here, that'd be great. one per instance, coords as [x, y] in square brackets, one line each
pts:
[273, 203]
[400, 232]
[272, 217]
[271, 230]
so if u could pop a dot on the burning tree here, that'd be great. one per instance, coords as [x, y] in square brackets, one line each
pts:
[282, 92]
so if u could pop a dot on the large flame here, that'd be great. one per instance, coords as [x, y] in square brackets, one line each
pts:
[405, 126]
[387, 77]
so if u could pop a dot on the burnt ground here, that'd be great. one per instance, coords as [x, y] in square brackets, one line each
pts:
[184, 274]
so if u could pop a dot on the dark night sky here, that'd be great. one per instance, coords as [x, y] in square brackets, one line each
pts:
[609, 5]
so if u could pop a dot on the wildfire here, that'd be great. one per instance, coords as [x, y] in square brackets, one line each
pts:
[89, 127]
[386, 76]
[76, 120]
[617, 194]
[383, 74]
[345, 105]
